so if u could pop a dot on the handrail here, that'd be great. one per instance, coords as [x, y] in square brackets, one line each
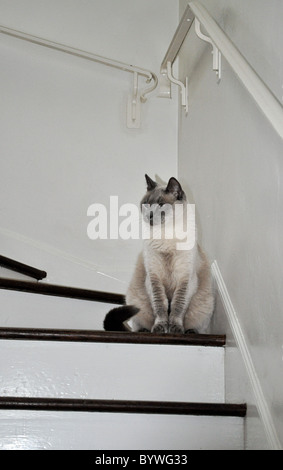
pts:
[178, 39]
[263, 96]
[150, 76]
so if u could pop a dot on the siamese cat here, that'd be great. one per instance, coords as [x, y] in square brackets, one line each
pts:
[171, 289]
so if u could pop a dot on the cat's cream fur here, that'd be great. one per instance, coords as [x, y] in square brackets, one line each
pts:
[171, 288]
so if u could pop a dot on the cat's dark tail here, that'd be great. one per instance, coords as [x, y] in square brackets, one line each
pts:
[114, 320]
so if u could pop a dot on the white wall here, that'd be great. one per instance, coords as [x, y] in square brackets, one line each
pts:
[230, 160]
[64, 141]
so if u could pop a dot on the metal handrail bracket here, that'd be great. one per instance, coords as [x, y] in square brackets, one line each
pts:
[221, 45]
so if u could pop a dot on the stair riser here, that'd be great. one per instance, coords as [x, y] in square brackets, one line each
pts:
[90, 431]
[112, 371]
[24, 310]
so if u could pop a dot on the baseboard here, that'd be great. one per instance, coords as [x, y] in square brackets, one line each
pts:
[240, 340]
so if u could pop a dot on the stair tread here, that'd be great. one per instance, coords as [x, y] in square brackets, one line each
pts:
[98, 336]
[61, 291]
[123, 406]
[22, 268]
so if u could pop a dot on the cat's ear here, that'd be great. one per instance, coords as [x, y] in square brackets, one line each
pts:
[150, 183]
[175, 188]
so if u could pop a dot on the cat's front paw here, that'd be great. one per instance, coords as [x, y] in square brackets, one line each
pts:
[176, 328]
[160, 327]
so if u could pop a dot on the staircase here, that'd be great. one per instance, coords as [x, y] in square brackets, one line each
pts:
[67, 384]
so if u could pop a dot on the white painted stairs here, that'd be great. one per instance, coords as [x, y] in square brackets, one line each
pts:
[66, 384]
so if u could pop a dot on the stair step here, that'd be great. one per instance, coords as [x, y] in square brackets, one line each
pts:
[119, 425]
[118, 390]
[40, 334]
[123, 406]
[56, 307]
[61, 291]
[21, 268]
[24, 310]
[106, 365]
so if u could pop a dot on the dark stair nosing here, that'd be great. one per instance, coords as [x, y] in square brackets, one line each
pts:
[39, 334]
[61, 291]
[123, 406]
[22, 268]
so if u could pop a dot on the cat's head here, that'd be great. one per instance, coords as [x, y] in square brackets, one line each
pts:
[159, 200]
